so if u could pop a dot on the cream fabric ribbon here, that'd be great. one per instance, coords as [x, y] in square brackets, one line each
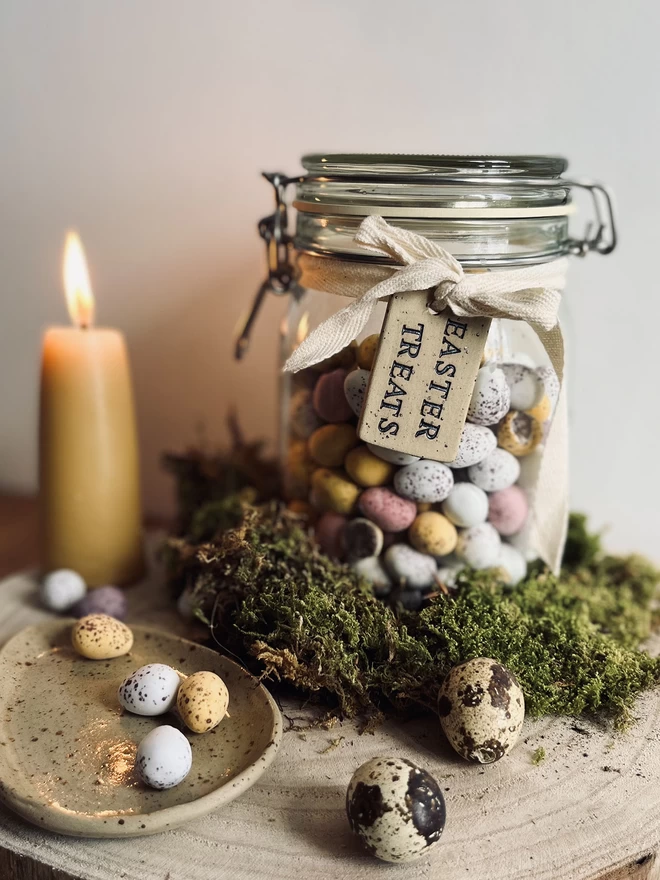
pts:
[531, 294]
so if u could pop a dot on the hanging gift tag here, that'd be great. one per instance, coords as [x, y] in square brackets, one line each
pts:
[422, 378]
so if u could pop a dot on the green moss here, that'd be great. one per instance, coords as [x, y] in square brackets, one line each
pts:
[270, 596]
[538, 756]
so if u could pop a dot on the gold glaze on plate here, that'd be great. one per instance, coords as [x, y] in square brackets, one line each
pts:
[67, 747]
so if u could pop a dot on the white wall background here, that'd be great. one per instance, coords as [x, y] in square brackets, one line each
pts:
[144, 123]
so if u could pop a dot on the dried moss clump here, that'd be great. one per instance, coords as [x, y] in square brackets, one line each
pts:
[271, 598]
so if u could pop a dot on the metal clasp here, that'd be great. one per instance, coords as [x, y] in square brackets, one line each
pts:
[274, 231]
[600, 236]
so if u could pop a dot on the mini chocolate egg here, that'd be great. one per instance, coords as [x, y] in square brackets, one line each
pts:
[387, 509]
[481, 709]
[366, 352]
[329, 444]
[525, 385]
[328, 532]
[202, 701]
[396, 808]
[99, 637]
[491, 397]
[424, 480]
[409, 567]
[344, 359]
[476, 443]
[466, 505]
[507, 510]
[542, 411]
[329, 399]
[163, 758]
[550, 382]
[361, 538]
[332, 491]
[150, 690]
[373, 570]
[61, 589]
[103, 600]
[366, 468]
[303, 418]
[433, 533]
[391, 455]
[512, 565]
[355, 389]
[499, 470]
[519, 433]
[479, 546]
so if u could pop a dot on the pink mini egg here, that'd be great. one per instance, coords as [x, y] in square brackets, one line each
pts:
[329, 399]
[389, 511]
[329, 534]
[507, 510]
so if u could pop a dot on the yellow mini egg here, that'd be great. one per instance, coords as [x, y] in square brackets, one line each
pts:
[328, 445]
[343, 359]
[542, 411]
[367, 351]
[433, 533]
[298, 471]
[100, 637]
[519, 433]
[202, 701]
[332, 491]
[366, 468]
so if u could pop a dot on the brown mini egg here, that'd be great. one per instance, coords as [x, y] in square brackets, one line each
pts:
[101, 637]
[367, 351]
[202, 701]
[519, 433]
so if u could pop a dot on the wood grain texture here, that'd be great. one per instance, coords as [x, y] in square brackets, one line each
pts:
[589, 811]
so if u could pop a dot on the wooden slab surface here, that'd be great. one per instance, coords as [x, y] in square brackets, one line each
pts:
[589, 811]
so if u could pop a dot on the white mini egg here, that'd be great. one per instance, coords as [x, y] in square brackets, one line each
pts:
[150, 690]
[476, 443]
[498, 471]
[491, 397]
[512, 564]
[479, 546]
[164, 757]
[550, 383]
[424, 481]
[466, 505]
[372, 569]
[391, 455]
[61, 589]
[409, 567]
[525, 385]
[396, 808]
[450, 568]
[355, 389]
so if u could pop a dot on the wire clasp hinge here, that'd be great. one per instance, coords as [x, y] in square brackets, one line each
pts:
[601, 235]
[274, 231]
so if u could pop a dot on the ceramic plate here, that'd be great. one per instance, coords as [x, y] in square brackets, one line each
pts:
[67, 748]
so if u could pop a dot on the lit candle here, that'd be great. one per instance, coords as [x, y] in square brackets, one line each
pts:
[88, 456]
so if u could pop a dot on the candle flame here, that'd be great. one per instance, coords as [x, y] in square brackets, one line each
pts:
[79, 296]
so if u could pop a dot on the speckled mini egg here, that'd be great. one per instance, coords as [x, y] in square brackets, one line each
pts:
[479, 546]
[511, 564]
[163, 758]
[355, 389]
[361, 538]
[61, 589]
[507, 510]
[409, 567]
[519, 433]
[396, 808]
[481, 709]
[329, 399]
[150, 690]
[490, 398]
[449, 569]
[329, 444]
[466, 505]
[103, 600]
[499, 470]
[433, 533]
[303, 418]
[202, 701]
[99, 637]
[373, 570]
[387, 509]
[333, 491]
[424, 481]
[525, 385]
[366, 352]
[392, 455]
[550, 381]
[366, 468]
[328, 532]
[476, 443]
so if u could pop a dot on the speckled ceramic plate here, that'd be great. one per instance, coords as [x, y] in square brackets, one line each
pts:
[67, 748]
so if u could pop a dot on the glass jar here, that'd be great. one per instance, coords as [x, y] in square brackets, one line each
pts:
[410, 523]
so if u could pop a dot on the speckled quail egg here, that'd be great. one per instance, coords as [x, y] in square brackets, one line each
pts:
[481, 709]
[163, 758]
[525, 385]
[150, 690]
[202, 701]
[396, 808]
[490, 398]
